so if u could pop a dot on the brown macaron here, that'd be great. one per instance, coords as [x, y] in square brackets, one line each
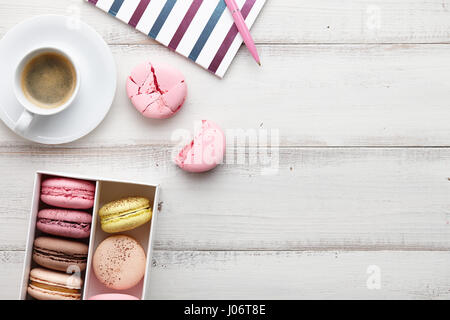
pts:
[60, 254]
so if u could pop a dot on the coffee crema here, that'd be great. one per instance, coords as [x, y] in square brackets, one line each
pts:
[49, 80]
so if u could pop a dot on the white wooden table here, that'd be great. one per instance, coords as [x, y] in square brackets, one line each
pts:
[360, 93]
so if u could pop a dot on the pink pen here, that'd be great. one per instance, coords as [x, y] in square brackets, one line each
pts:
[242, 27]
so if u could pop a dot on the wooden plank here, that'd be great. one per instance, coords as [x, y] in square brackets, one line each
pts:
[11, 264]
[281, 275]
[318, 198]
[337, 95]
[300, 275]
[308, 21]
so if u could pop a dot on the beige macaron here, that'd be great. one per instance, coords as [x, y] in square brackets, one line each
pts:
[119, 262]
[52, 285]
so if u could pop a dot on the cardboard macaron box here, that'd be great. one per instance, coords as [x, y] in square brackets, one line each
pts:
[89, 238]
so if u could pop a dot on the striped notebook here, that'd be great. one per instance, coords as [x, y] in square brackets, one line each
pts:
[201, 30]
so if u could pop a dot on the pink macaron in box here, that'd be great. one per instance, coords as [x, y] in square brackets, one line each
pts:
[65, 223]
[68, 193]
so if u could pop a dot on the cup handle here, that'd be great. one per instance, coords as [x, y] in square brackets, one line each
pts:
[24, 121]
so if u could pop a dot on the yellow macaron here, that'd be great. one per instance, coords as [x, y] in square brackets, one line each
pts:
[125, 214]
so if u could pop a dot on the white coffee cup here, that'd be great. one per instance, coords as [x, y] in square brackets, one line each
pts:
[31, 109]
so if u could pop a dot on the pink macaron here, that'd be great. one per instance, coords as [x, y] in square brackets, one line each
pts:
[157, 91]
[205, 151]
[64, 223]
[113, 296]
[119, 262]
[68, 193]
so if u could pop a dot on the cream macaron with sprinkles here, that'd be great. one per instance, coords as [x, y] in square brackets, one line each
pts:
[119, 262]
[125, 214]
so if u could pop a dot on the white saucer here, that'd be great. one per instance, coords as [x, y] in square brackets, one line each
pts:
[97, 71]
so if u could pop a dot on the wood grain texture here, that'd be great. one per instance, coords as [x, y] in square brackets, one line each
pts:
[336, 95]
[280, 275]
[318, 199]
[307, 21]
[299, 275]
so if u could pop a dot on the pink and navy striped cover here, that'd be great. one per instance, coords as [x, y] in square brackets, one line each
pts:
[202, 30]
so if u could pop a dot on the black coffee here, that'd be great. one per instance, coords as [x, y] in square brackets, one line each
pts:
[48, 80]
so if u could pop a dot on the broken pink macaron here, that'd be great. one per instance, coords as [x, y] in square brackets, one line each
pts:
[157, 91]
[205, 151]
[68, 193]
